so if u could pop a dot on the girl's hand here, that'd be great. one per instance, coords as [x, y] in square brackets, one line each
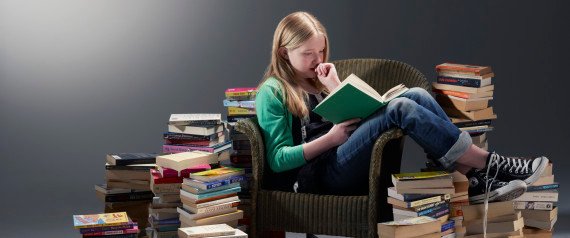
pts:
[326, 72]
[339, 133]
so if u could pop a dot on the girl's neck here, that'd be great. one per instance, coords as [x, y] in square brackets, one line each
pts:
[306, 86]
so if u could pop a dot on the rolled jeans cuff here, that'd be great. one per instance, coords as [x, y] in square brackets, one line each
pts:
[457, 150]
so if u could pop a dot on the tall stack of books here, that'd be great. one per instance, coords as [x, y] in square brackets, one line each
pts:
[423, 226]
[195, 131]
[240, 103]
[538, 205]
[218, 230]
[502, 220]
[127, 186]
[423, 194]
[210, 197]
[459, 199]
[116, 225]
[241, 100]
[464, 92]
[166, 184]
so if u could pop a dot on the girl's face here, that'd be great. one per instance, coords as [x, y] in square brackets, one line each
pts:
[307, 57]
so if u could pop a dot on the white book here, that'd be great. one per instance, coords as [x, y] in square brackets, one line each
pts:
[206, 231]
[196, 130]
[184, 160]
[195, 216]
[185, 119]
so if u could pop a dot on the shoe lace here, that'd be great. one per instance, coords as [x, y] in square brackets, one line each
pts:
[513, 165]
[488, 183]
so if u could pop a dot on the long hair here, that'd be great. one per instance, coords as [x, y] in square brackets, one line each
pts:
[292, 31]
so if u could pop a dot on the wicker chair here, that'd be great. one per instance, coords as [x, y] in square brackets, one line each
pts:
[355, 216]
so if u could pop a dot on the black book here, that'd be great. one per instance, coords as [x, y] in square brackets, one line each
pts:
[131, 158]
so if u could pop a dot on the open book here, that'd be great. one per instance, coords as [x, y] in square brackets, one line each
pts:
[354, 98]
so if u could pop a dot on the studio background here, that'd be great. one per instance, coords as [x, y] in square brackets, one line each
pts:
[80, 79]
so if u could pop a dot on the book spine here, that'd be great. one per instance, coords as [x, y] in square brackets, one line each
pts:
[133, 235]
[476, 130]
[447, 225]
[106, 228]
[452, 93]
[179, 149]
[431, 205]
[542, 187]
[425, 201]
[473, 123]
[473, 83]
[123, 197]
[135, 161]
[236, 111]
[115, 232]
[435, 212]
[215, 184]
[534, 205]
[181, 136]
[216, 208]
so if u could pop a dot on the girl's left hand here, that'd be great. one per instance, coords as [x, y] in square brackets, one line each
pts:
[326, 72]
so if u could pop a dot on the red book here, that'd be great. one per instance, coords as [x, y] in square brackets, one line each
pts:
[133, 230]
[465, 68]
[158, 179]
[185, 173]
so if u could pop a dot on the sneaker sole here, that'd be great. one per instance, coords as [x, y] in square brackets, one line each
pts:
[509, 192]
[536, 175]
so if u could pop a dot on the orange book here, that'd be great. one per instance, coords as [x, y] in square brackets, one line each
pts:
[464, 68]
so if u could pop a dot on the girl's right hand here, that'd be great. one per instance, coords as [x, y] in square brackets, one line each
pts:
[339, 133]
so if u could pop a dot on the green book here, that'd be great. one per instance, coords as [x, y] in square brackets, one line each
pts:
[354, 98]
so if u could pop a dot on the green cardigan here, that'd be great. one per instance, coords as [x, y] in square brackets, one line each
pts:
[276, 123]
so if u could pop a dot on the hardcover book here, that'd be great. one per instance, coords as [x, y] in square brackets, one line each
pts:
[354, 98]
[206, 231]
[131, 158]
[195, 119]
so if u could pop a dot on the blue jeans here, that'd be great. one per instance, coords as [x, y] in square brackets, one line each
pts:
[419, 116]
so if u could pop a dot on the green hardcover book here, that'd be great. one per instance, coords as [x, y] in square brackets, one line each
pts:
[354, 98]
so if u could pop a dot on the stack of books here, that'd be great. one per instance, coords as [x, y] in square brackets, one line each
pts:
[240, 103]
[464, 92]
[210, 197]
[459, 199]
[217, 230]
[166, 184]
[127, 186]
[423, 194]
[423, 226]
[116, 225]
[195, 131]
[538, 205]
[241, 99]
[502, 220]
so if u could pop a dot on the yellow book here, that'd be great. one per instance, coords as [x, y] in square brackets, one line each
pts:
[234, 111]
[99, 220]
[420, 175]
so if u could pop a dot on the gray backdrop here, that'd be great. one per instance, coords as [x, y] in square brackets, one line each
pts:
[80, 79]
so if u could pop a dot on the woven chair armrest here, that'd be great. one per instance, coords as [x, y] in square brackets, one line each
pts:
[251, 129]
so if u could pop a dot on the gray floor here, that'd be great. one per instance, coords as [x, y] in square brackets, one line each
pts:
[561, 229]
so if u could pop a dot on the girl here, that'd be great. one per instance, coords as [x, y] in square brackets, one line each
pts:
[331, 159]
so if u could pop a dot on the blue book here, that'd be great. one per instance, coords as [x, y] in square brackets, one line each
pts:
[542, 187]
[213, 184]
[209, 195]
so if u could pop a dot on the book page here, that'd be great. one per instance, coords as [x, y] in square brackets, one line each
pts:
[394, 92]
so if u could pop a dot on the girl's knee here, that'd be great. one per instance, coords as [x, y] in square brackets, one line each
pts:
[419, 92]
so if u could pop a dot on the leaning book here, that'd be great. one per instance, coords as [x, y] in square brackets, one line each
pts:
[354, 98]
[99, 220]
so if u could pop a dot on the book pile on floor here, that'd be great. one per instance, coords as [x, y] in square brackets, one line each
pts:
[459, 199]
[464, 92]
[218, 230]
[502, 220]
[127, 186]
[111, 225]
[241, 99]
[210, 197]
[166, 184]
[416, 227]
[195, 131]
[538, 205]
[424, 194]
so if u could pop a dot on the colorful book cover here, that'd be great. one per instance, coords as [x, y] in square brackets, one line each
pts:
[97, 220]
[216, 174]
[420, 175]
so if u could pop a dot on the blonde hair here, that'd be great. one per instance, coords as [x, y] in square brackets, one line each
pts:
[292, 32]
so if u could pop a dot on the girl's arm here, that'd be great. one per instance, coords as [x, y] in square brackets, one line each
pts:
[338, 134]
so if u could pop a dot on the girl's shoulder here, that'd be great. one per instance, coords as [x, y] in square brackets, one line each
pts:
[271, 86]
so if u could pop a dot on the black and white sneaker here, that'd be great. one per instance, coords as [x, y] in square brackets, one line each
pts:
[516, 168]
[499, 190]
